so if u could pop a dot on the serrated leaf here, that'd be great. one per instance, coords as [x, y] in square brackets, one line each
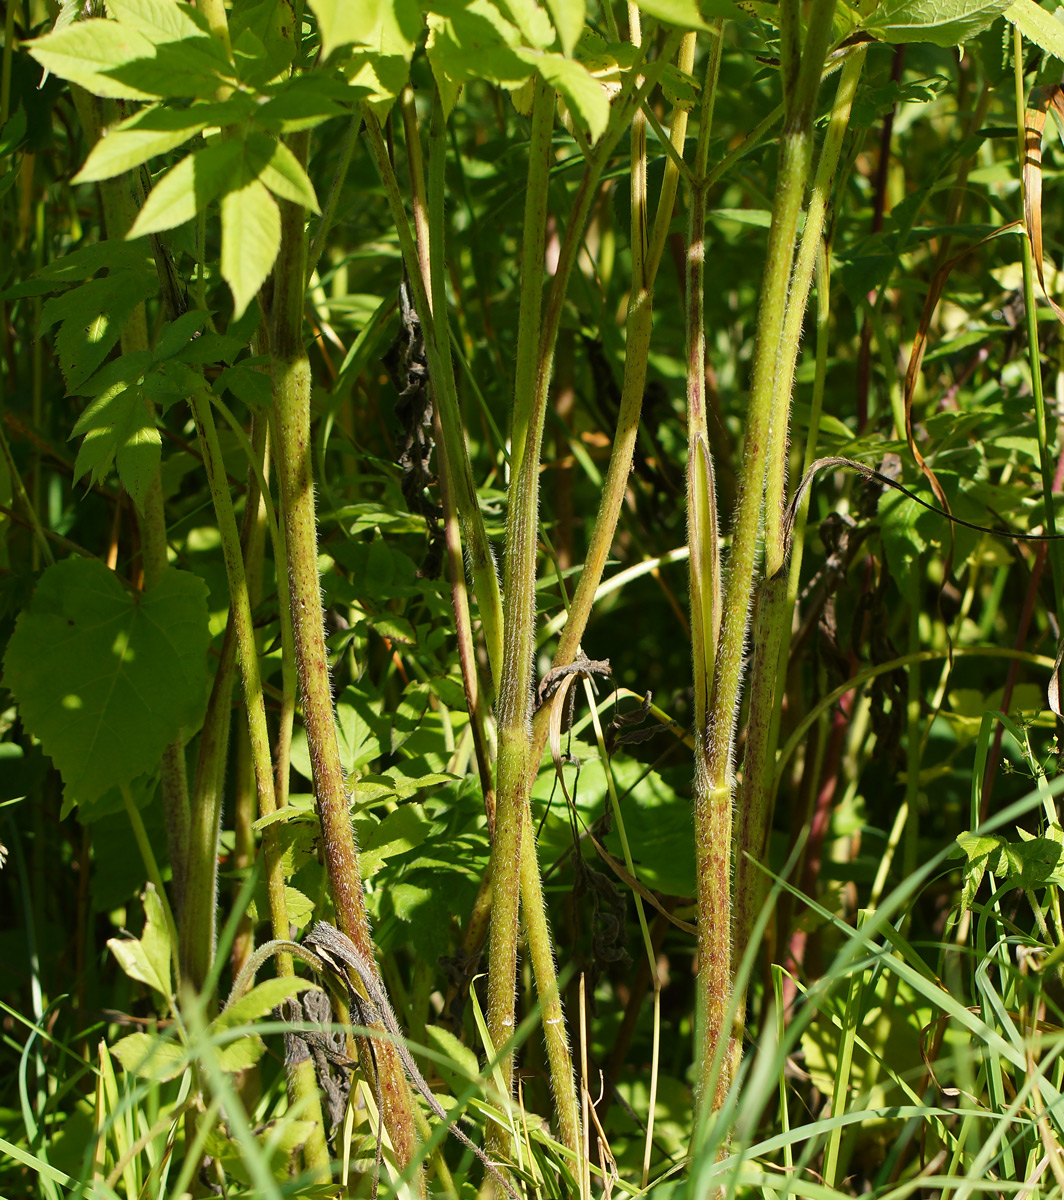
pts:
[473, 41]
[689, 14]
[150, 1056]
[941, 22]
[160, 21]
[242, 1054]
[259, 1002]
[251, 237]
[1037, 26]
[381, 71]
[119, 428]
[92, 317]
[107, 679]
[156, 130]
[532, 21]
[399, 832]
[189, 187]
[568, 17]
[147, 958]
[412, 705]
[177, 334]
[352, 22]
[583, 93]
[86, 53]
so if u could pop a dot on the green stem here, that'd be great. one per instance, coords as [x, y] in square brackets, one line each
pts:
[777, 598]
[290, 370]
[200, 940]
[476, 703]
[1034, 353]
[715, 781]
[532, 253]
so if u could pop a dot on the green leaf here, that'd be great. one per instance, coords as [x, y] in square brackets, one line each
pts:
[941, 22]
[259, 1002]
[248, 383]
[189, 187]
[119, 426]
[584, 94]
[689, 14]
[156, 48]
[531, 20]
[178, 333]
[1037, 26]
[400, 831]
[283, 174]
[147, 958]
[568, 17]
[82, 53]
[155, 131]
[383, 70]
[305, 102]
[161, 21]
[107, 679]
[151, 1056]
[251, 237]
[353, 22]
[473, 41]
[92, 316]
[412, 705]
[361, 727]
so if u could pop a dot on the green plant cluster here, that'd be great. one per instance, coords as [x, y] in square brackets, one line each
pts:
[530, 589]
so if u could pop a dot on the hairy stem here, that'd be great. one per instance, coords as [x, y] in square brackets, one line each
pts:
[776, 600]
[290, 370]
[714, 779]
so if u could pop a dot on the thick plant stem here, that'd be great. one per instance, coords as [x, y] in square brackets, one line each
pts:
[637, 345]
[776, 600]
[532, 252]
[797, 299]
[253, 538]
[714, 780]
[290, 370]
[202, 948]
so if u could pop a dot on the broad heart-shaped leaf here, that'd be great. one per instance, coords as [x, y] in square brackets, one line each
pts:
[92, 317]
[586, 97]
[1037, 26]
[941, 22]
[251, 237]
[106, 679]
[147, 958]
[568, 17]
